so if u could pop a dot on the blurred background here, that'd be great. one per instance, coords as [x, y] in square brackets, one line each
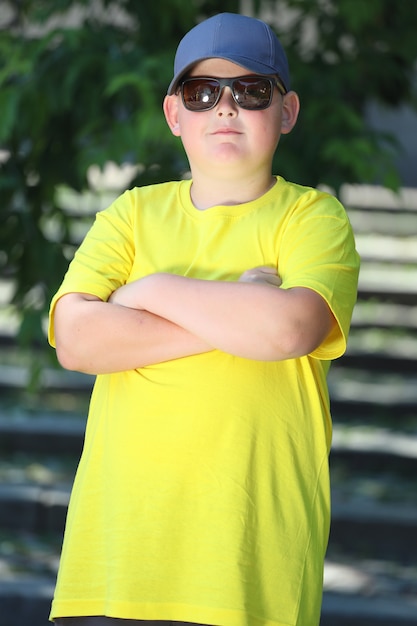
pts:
[81, 88]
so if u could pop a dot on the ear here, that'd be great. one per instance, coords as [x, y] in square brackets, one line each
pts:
[290, 110]
[170, 107]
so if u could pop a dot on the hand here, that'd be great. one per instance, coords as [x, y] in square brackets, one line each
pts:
[264, 274]
[127, 295]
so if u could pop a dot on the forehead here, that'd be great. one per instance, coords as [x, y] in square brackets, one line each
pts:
[219, 68]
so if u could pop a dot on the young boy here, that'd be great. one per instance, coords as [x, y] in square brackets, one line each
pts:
[210, 310]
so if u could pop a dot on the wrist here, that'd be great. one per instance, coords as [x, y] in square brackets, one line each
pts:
[128, 295]
[149, 289]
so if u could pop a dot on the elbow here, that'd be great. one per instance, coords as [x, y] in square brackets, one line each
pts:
[270, 348]
[293, 342]
[67, 358]
[285, 346]
[65, 346]
[71, 344]
[301, 329]
[74, 361]
[71, 354]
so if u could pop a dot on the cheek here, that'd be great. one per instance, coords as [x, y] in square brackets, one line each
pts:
[189, 134]
[266, 122]
[191, 126]
[186, 124]
[272, 126]
[268, 133]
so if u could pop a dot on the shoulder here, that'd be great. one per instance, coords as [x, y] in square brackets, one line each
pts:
[134, 203]
[140, 194]
[310, 201]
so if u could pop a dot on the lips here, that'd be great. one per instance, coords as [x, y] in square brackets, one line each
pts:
[226, 131]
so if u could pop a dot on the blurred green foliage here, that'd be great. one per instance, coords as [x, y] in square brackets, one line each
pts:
[344, 54]
[83, 83]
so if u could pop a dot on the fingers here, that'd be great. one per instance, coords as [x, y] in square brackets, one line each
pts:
[262, 274]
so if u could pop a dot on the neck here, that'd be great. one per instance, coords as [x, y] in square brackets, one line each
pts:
[209, 193]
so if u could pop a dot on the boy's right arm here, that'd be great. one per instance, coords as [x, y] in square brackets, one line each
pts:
[97, 337]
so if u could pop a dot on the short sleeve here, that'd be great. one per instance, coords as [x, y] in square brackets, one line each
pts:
[318, 252]
[104, 259]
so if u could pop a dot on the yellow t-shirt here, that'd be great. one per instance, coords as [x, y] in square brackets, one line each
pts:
[202, 493]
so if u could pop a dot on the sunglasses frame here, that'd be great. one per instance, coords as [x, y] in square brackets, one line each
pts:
[229, 82]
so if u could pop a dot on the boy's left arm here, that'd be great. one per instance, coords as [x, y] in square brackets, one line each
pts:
[252, 318]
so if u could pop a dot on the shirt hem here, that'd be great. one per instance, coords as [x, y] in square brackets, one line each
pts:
[166, 611]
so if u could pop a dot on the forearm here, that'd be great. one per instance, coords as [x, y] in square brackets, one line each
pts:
[252, 320]
[96, 337]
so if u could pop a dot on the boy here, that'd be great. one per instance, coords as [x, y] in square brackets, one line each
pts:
[210, 310]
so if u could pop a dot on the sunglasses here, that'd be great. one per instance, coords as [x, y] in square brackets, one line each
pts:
[253, 93]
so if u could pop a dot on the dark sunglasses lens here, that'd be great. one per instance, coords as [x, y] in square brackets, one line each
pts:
[250, 92]
[253, 93]
[199, 95]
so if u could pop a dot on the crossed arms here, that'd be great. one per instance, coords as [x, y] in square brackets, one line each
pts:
[163, 317]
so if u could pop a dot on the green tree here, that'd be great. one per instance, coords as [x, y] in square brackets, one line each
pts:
[344, 53]
[82, 83]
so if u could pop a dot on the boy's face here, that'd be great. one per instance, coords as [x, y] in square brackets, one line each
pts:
[227, 139]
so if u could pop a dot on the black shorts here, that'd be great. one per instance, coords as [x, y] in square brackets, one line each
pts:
[100, 620]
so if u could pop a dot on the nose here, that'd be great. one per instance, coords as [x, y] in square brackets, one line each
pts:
[226, 105]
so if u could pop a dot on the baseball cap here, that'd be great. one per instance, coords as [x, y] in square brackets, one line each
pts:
[246, 41]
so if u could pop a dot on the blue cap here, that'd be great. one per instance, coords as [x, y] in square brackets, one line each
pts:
[243, 40]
